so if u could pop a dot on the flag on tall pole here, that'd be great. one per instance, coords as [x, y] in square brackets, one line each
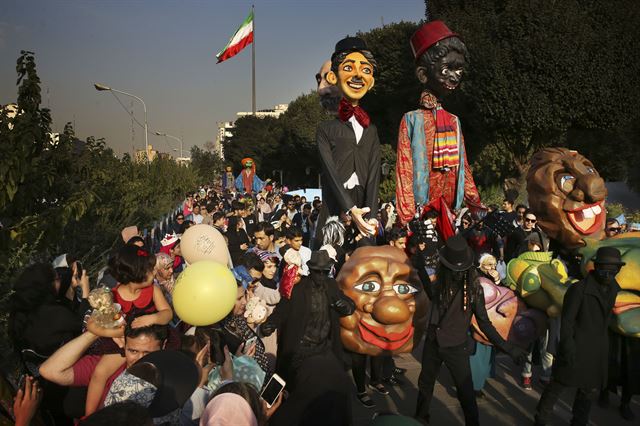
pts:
[241, 39]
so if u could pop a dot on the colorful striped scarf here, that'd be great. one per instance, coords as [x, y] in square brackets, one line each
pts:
[445, 148]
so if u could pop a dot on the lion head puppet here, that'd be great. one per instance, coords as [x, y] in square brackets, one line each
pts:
[567, 194]
[391, 304]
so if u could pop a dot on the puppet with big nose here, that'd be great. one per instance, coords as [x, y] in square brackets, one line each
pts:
[391, 304]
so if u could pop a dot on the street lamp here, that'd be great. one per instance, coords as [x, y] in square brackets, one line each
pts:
[166, 135]
[101, 88]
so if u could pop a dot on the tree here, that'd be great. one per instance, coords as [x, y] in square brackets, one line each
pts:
[253, 137]
[207, 164]
[540, 70]
[298, 141]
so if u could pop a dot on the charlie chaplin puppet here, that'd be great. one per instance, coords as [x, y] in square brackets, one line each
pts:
[348, 145]
[247, 181]
[431, 161]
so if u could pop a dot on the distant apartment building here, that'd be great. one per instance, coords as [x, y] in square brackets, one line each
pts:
[225, 128]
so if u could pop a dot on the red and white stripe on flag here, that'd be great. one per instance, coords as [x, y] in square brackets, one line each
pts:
[241, 39]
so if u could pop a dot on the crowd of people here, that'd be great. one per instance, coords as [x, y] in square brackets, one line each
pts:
[152, 368]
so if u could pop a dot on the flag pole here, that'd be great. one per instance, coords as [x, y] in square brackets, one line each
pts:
[253, 64]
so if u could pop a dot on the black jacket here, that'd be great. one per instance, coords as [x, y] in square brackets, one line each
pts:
[453, 327]
[340, 156]
[290, 318]
[583, 356]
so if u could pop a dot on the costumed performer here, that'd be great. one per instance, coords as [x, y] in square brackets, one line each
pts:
[431, 160]
[248, 181]
[348, 145]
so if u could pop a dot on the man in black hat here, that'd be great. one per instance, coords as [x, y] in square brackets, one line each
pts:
[582, 360]
[455, 297]
[309, 348]
[348, 145]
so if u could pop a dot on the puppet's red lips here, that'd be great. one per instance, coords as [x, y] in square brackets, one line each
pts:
[379, 337]
[588, 218]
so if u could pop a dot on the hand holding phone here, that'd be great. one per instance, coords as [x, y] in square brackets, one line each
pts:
[248, 344]
[272, 390]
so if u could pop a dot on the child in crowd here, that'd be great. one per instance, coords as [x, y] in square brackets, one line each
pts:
[141, 301]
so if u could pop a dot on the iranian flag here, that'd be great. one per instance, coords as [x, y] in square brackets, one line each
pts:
[241, 39]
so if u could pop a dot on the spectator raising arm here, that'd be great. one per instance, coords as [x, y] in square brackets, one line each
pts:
[59, 367]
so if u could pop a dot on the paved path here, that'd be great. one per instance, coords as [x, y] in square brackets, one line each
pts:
[505, 403]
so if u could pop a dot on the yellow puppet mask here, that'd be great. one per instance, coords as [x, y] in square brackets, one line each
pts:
[354, 77]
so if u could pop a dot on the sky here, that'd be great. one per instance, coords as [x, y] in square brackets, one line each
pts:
[164, 52]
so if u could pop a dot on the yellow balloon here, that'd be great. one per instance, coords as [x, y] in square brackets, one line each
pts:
[204, 242]
[205, 293]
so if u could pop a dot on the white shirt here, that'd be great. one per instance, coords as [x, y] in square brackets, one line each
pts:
[358, 130]
[305, 255]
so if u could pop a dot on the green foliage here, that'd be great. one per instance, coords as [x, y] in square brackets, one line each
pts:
[285, 143]
[206, 164]
[388, 182]
[396, 88]
[69, 195]
[540, 69]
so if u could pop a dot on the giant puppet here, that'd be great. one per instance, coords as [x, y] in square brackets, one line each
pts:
[392, 306]
[228, 180]
[248, 181]
[348, 145]
[431, 161]
[568, 195]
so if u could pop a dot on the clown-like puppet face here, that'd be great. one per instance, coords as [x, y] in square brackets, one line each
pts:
[248, 164]
[391, 304]
[354, 77]
[567, 194]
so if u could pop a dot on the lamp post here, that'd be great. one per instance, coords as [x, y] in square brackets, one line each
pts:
[101, 88]
[172, 137]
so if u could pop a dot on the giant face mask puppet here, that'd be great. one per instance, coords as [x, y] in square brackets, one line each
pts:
[352, 71]
[391, 305]
[567, 194]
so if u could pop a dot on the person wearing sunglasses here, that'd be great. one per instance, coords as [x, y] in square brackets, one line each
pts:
[612, 228]
[517, 242]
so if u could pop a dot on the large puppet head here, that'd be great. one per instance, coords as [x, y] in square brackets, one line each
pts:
[391, 305]
[329, 94]
[567, 194]
[440, 57]
[247, 163]
[352, 69]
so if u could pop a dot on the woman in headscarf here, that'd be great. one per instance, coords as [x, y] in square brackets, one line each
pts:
[237, 238]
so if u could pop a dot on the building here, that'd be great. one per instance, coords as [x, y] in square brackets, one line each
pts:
[141, 155]
[225, 128]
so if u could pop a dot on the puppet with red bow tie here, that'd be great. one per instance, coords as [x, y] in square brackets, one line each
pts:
[348, 145]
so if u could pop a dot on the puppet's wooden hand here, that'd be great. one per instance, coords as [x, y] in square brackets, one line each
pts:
[363, 226]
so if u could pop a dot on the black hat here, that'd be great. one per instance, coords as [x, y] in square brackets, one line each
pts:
[320, 261]
[179, 378]
[456, 254]
[349, 44]
[608, 256]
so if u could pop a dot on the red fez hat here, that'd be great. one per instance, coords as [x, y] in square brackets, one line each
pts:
[428, 35]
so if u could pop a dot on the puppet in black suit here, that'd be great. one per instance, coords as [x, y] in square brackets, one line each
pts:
[348, 145]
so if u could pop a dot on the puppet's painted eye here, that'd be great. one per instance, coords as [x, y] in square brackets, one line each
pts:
[347, 68]
[591, 170]
[459, 73]
[369, 287]
[405, 289]
[567, 182]
[444, 71]
[366, 70]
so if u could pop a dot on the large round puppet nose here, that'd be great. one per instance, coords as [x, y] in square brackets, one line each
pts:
[390, 310]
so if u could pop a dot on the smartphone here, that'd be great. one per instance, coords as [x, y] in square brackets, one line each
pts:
[248, 343]
[78, 269]
[272, 391]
